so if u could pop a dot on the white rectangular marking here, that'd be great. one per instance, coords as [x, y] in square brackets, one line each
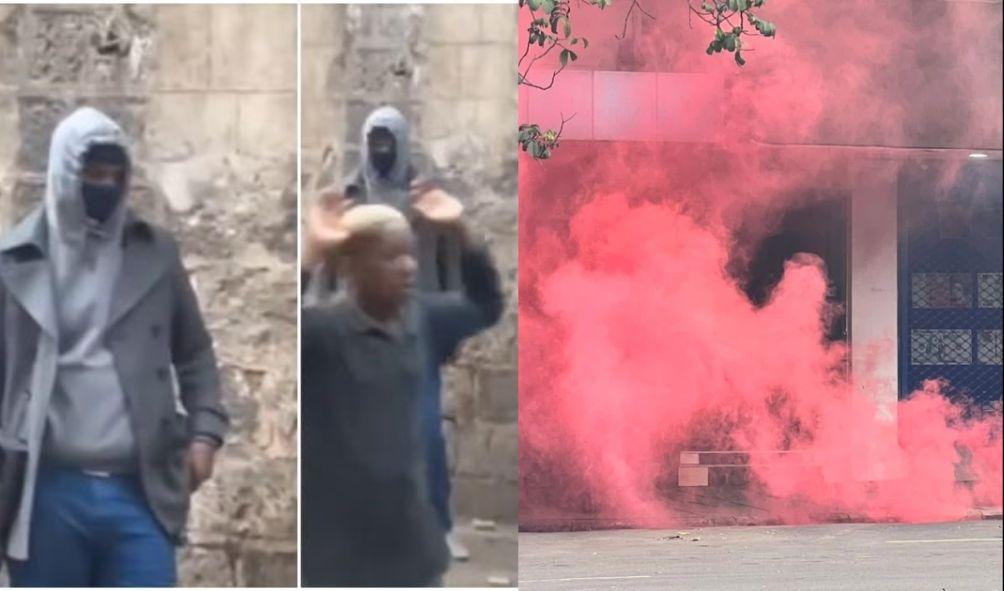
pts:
[944, 541]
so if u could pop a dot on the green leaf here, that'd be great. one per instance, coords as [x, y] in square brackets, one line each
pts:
[563, 57]
[742, 5]
[766, 29]
[568, 28]
[730, 42]
[534, 4]
[733, 5]
[719, 35]
[547, 5]
[585, 43]
[574, 40]
[739, 59]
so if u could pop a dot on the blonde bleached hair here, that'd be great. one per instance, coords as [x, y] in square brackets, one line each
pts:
[362, 223]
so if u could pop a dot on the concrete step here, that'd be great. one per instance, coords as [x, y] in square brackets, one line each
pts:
[493, 561]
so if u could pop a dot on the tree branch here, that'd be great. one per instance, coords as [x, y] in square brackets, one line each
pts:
[634, 4]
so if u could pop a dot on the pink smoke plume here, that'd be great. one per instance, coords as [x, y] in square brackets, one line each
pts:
[637, 340]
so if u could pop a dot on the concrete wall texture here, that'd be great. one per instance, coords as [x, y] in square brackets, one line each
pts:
[449, 68]
[208, 95]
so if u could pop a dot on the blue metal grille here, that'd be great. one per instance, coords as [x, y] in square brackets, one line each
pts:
[950, 281]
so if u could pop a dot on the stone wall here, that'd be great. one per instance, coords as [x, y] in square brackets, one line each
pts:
[208, 94]
[450, 69]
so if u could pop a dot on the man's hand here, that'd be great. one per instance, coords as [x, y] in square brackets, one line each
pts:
[323, 229]
[435, 205]
[201, 456]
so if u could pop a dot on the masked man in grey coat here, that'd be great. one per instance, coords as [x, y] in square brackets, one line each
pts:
[110, 413]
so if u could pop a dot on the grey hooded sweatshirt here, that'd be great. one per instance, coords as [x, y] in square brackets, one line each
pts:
[87, 422]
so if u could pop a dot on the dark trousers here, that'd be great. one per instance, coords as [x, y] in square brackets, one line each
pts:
[93, 531]
[437, 471]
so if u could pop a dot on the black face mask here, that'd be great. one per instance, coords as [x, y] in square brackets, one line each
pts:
[100, 201]
[382, 150]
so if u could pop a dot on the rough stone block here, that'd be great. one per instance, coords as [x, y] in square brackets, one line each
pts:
[26, 195]
[497, 126]
[97, 45]
[497, 395]
[266, 125]
[180, 126]
[321, 75]
[183, 34]
[323, 132]
[385, 74]
[267, 63]
[205, 567]
[445, 119]
[57, 44]
[440, 73]
[488, 71]
[383, 26]
[499, 22]
[453, 23]
[8, 129]
[323, 25]
[267, 567]
[249, 496]
[486, 450]
[485, 498]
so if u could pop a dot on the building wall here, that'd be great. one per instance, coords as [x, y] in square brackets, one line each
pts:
[448, 68]
[208, 95]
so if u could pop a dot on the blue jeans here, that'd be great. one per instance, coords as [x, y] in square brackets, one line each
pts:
[437, 472]
[93, 531]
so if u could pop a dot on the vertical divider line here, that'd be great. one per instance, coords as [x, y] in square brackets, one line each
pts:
[299, 289]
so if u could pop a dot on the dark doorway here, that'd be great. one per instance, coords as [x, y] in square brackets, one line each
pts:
[819, 228]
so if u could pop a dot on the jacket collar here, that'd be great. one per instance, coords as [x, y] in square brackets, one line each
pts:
[32, 232]
[26, 273]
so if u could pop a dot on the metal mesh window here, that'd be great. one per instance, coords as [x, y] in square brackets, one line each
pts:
[988, 347]
[941, 347]
[941, 290]
[989, 290]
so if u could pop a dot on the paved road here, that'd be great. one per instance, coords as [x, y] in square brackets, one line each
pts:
[859, 557]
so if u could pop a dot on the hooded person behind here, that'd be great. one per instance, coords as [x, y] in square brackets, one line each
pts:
[97, 311]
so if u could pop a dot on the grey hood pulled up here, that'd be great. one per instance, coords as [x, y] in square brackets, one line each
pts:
[393, 188]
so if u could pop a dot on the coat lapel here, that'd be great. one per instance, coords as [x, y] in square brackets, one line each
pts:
[26, 272]
[143, 264]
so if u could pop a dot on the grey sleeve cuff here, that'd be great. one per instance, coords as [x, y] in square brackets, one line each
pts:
[209, 426]
[210, 439]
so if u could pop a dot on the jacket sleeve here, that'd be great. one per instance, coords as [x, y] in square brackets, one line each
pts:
[454, 317]
[195, 362]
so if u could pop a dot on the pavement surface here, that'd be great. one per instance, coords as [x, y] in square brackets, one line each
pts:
[493, 557]
[833, 557]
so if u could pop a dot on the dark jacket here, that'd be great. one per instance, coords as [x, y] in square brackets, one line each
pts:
[154, 325]
[367, 517]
